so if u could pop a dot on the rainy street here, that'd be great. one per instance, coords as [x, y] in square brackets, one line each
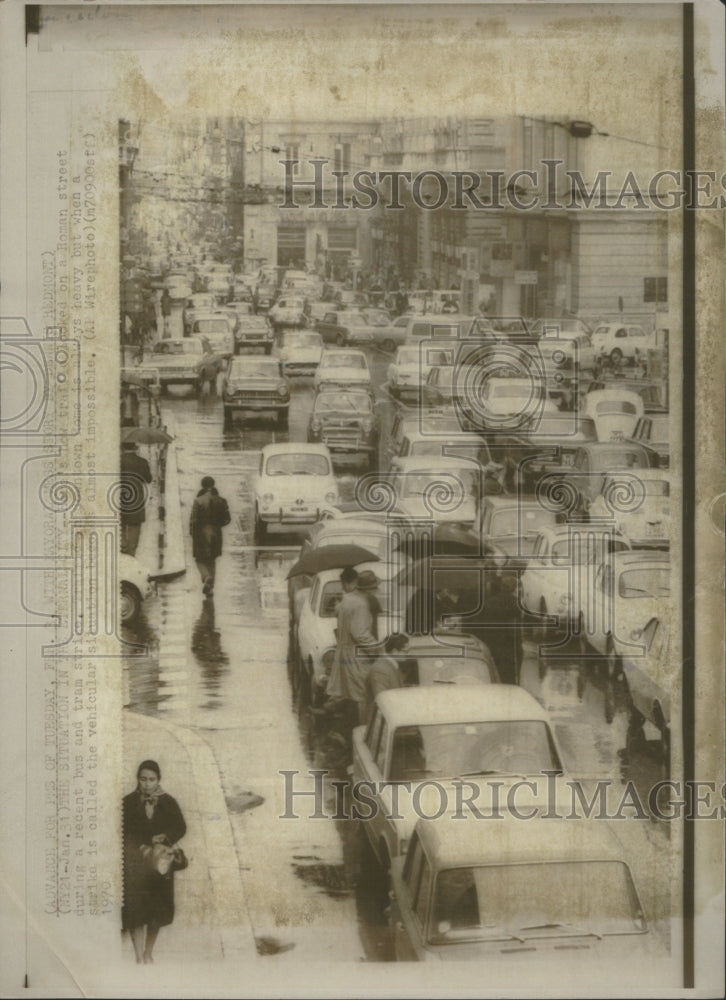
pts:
[220, 666]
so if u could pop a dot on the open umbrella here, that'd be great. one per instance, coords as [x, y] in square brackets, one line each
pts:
[145, 435]
[331, 557]
[448, 540]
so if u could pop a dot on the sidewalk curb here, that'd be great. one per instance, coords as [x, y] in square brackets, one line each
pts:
[235, 929]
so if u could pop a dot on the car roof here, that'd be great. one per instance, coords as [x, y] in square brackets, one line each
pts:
[332, 352]
[423, 706]
[295, 448]
[506, 839]
[424, 462]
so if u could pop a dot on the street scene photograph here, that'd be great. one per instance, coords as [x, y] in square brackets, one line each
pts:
[396, 449]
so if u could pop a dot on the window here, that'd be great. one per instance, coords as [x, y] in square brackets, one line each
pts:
[420, 903]
[380, 755]
[655, 289]
[292, 152]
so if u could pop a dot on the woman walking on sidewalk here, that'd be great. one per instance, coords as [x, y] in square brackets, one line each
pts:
[210, 513]
[150, 817]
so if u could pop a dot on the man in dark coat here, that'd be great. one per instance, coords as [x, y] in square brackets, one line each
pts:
[135, 475]
[210, 513]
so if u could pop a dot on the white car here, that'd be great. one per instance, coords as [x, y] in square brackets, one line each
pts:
[614, 411]
[345, 367]
[178, 286]
[563, 562]
[438, 735]
[619, 340]
[295, 483]
[643, 516]
[317, 621]
[650, 678]
[300, 352]
[135, 587]
[511, 401]
[628, 590]
[409, 369]
[443, 489]
[218, 328]
[289, 310]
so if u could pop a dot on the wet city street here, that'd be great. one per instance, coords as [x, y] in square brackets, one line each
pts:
[220, 666]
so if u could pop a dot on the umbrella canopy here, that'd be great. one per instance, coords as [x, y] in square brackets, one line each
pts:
[145, 435]
[331, 557]
[459, 575]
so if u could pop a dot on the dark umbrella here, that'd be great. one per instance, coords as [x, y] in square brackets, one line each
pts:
[331, 557]
[146, 435]
[445, 572]
[448, 540]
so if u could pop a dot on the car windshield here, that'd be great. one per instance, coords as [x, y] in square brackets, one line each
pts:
[343, 361]
[212, 326]
[459, 749]
[650, 581]
[620, 458]
[330, 599]
[417, 484]
[354, 319]
[177, 347]
[521, 520]
[254, 368]
[298, 465]
[350, 402]
[252, 323]
[537, 900]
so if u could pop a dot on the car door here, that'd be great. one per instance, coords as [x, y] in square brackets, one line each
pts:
[370, 764]
[413, 903]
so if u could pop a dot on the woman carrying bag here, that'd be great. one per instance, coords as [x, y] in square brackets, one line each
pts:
[152, 824]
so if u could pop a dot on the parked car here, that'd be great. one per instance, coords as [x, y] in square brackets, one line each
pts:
[294, 484]
[254, 331]
[408, 371]
[510, 526]
[638, 505]
[628, 590]
[256, 384]
[560, 570]
[344, 326]
[289, 310]
[650, 678]
[440, 735]
[218, 329]
[345, 420]
[615, 412]
[617, 341]
[653, 431]
[136, 586]
[180, 361]
[432, 434]
[300, 352]
[595, 460]
[504, 403]
[446, 489]
[345, 368]
[572, 355]
[315, 641]
[516, 897]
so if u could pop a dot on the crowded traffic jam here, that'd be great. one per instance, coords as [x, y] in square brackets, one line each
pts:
[494, 491]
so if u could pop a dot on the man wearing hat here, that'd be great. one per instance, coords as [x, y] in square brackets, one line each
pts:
[135, 475]
[210, 513]
[357, 628]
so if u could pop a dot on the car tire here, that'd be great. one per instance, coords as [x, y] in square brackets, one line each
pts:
[340, 340]
[268, 348]
[388, 346]
[616, 356]
[130, 605]
[283, 419]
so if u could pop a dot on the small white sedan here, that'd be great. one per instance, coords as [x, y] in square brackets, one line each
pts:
[289, 310]
[345, 367]
[638, 505]
[618, 340]
[445, 489]
[300, 352]
[295, 483]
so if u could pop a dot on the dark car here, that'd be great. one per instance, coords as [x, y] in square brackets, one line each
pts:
[345, 420]
[256, 384]
[546, 445]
